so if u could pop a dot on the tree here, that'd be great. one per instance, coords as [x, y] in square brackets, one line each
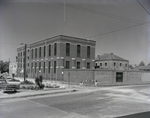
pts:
[142, 63]
[130, 66]
[4, 66]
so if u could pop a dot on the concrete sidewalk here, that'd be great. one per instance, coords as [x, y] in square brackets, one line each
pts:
[23, 93]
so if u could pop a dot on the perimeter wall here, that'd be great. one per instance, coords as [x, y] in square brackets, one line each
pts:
[105, 77]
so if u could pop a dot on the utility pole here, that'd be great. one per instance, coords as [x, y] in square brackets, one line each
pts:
[64, 22]
[25, 62]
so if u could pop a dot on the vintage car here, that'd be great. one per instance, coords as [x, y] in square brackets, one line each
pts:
[9, 86]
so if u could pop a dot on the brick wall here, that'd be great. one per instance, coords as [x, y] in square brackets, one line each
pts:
[106, 77]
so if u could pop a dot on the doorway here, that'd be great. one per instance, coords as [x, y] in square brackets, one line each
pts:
[119, 76]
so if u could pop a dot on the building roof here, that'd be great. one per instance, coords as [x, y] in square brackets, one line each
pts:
[59, 37]
[142, 68]
[109, 56]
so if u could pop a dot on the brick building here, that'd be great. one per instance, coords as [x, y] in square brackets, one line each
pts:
[50, 56]
[111, 62]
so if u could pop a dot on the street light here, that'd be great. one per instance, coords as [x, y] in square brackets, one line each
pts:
[25, 47]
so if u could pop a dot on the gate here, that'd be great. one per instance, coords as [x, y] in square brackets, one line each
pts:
[119, 76]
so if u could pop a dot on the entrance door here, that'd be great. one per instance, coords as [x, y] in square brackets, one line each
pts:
[119, 76]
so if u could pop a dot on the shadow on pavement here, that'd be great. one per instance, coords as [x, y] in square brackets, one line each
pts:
[11, 92]
[138, 115]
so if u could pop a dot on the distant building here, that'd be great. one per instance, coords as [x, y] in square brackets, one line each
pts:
[50, 56]
[12, 68]
[111, 62]
[142, 68]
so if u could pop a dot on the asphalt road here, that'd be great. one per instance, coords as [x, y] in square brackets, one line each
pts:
[107, 102]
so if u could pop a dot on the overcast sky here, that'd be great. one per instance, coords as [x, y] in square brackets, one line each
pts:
[121, 27]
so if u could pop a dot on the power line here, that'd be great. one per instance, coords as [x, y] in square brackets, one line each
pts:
[105, 14]
[116, 30]
[143, 7]
[98, 12]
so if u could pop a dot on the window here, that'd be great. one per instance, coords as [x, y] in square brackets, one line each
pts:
[126, 65]
[49, 67]
[32, 53]
[114, 64]
[105, 64]
[78, 65]
[39, 65]
[49, 50]
[88, 51]
[21, 53]
[67, 49]
[39, 52]
[28, 64]
[28, 57]
[35, 52]
[120, 64]
[100, 64]
[28, 50]
[55, 49]
[54, 66]
[67, 65]
[44, 67]
[78, 50]
[35, 67]
[88, 65]
[44, 51]
[31, 67]
[18, 54]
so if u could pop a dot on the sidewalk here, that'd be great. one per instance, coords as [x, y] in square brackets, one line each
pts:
[22, 93]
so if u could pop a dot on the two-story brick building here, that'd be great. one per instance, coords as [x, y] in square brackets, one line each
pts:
[50, 56]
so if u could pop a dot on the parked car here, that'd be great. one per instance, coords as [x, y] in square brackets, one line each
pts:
[9, 86]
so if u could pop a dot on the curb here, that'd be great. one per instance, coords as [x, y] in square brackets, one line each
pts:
[40, 94]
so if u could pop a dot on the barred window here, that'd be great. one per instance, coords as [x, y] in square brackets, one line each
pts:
[32, 53]
[67, 64]
[44, 51]
[35, 52]
[39, 52]
[67, 49]
[35, 67]
[39, 65]
[55, 49]
[54, 66]
[44, 67]
[88, 51]
[78, 50]
[78, 65]
[114, 64]
[49, 67]
[50, 50]
[88, 65]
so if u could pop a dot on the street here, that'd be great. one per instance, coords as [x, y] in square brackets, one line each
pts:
[102, 102]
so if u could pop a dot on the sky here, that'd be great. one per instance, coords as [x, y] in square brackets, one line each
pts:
[121, 27]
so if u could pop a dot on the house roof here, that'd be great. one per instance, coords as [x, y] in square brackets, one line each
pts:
[142, 67]
[109, 56]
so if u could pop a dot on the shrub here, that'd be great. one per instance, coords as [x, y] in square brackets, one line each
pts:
[14, 80]
[27, 82]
